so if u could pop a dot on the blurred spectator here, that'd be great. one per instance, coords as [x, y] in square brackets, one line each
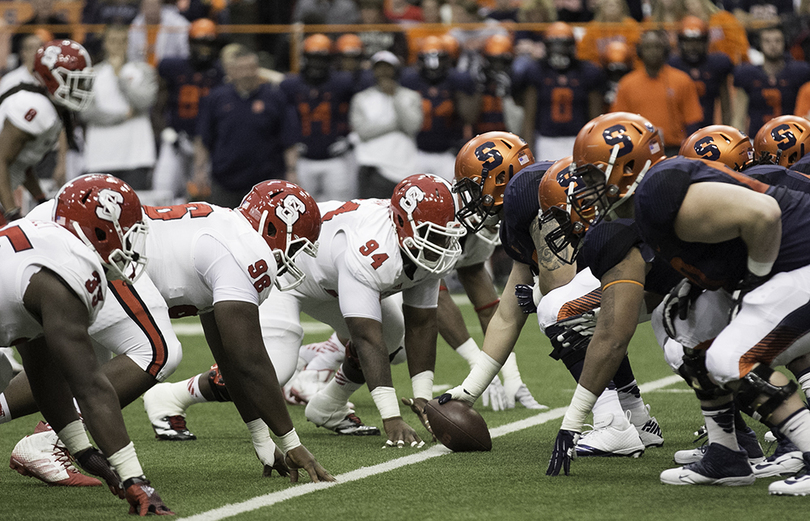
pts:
[761, 10]
[768, 90]
[350, 57]
[118, 138]
[270, 76]
[326, 168]
[28, 50]
[385, 118]
[611, 23]
[403, 11]
[530, 43]
[106, 12]
[44, 14]
[573, 10]
[709, 71]
[184, 82]
[617, 60]
[562, 94]
[664, 95]
[503, 10]
[246, 132]
[448, 103]
[332, 11]
[472, 40]
[498, 110]
[373, 12]
[194, 10]
[158, 32]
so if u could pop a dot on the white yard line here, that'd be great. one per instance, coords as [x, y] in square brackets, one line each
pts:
[364, 472]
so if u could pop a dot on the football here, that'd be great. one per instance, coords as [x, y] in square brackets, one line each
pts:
[458, 426]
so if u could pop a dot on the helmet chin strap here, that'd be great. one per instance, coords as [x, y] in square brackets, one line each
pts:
[631, 190]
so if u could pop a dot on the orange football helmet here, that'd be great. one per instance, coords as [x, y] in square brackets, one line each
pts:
[786, 138]
[349, 44]
[317, 44]
[202, 29]
[484, 166]
[616, 52]
[693, 27]
[497, 45]
[558, 31]
[612, 153]
[563, 229]
[451, 45]
[719, 143]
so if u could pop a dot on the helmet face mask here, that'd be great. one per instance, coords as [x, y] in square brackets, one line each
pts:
[105, 213]
[289, 221]
[562, 231]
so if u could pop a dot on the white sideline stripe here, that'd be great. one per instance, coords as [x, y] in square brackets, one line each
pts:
[364, 472]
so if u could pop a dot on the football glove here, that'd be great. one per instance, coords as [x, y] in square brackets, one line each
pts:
[677, 304]
[578, 330]
[525, 298]
[495, 394]
[564, 451]
[143, 499]
[748, 283]
[457, 393]
[93, 462]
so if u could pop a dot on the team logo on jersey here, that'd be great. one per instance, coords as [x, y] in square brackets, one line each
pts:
[109, 205]
[411, 199]
[617, 135]
[290, 210]
[50, 56]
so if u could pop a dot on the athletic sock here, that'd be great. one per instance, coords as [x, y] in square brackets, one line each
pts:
[720, 425]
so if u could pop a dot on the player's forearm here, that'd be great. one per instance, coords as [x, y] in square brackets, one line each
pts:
[503, 332]
[6, 191]
[374, 362]
[420, 347]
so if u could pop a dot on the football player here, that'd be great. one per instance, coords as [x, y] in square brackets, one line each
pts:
[709, 71]
[617, 61]
[326, 167]
[562, 93]
[495, 175]
[184, 82]
[786, 141]
[767, 90]
[369, 249]
[54, 284]
[449, 102]
[33, 116]
[497, 104]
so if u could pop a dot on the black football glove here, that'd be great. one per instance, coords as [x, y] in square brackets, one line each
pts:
[677, 304]
[525, 298]
[93, 462]
[564, 451]
[748, 283]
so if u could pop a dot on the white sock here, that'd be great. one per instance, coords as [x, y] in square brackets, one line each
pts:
[797, 429]
[5, 414]
[720, 425]
[608, 403]
[187, 393]
[510, 369]
[468, 351]
[804, 381]
[339, 389]
[630, 398]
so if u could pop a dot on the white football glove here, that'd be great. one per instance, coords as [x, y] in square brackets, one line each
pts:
[494, 394]
[457, 393]
[263, 444]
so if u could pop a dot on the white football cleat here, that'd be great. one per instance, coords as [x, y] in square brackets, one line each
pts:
[43, 456]
[168, 418]
[649, 430]
[610, 438]
[718, 466]
[787, 459]
[341, 420]
[798, 485]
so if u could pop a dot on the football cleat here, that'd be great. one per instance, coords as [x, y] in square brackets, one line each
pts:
[719, 466]
[43, 456]
[786, 460]
[609, 439]
[798, 485]
[351, 425]
[746, 440]
[649, 431]
[172, 428]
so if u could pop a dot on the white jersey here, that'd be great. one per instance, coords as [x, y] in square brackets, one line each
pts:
[183, 247]
[475, 249]
[34, 114]
[372, 257]
[25, 248]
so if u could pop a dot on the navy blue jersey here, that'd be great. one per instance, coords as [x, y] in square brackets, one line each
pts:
[608, 243]
[442, 129]
[779, 175]
[562, 97]
[520, 208]
[768, 97]
[323, 110]
[186, 88]
[802, 165]
[247, 137]
[490, 118]
[709, 76]
[712, 266]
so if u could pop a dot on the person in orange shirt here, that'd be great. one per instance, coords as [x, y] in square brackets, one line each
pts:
[803, 102]
[611, 23]
[661, 93]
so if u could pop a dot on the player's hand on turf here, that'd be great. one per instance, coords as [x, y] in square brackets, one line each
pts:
[279, 465]
[400, 434]
[495, 394]
[300, 458]
[417, 405]
[93, 462]
[457, 393]
[143, 499]
[564, 451]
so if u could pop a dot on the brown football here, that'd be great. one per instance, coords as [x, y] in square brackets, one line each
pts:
[458, 426]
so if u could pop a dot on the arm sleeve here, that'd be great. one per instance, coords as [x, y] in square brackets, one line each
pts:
[356, 299]
[221, 273]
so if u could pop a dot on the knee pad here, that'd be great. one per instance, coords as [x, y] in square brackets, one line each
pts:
[694, 372]
[757, 383]
[217, 385]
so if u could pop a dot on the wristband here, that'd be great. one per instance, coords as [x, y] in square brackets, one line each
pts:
[481, 375]
[385, 398]
[126, 463]
[422, 384]
[760, 269]
[581, 405]
[74, 437]
[289, 441]
[260, 434]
